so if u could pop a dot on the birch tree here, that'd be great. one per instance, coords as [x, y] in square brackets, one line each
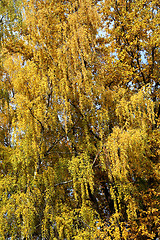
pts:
[84, 158]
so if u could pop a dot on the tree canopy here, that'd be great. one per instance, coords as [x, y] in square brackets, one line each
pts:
[80, 119]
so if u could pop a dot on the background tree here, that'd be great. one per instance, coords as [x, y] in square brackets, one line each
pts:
[84, 160]
[9, 17]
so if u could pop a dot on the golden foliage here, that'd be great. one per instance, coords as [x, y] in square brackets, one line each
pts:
[80, 118]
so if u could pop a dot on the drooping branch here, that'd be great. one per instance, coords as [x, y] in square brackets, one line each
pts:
[42, 127]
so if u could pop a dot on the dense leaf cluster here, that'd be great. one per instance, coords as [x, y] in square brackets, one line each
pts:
[79, 119]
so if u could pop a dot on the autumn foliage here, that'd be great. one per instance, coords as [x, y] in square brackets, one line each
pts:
[80, 119]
